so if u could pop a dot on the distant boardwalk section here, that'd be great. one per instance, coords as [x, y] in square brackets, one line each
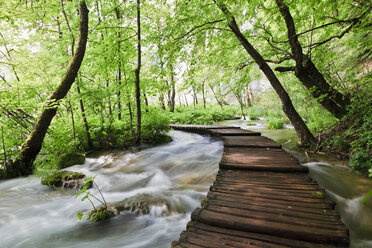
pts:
[262, 197]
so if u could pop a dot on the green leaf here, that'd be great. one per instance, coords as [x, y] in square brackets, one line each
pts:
[80, 215]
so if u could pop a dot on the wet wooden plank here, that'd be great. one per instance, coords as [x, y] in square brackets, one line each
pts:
[250, 141]
[262, 197]
[233, 132]
[259, 159]
[272, 227]
[262, 200]
[249, 237]
[198, 127]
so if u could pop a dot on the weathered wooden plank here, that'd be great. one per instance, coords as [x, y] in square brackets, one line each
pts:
[250, 141]
[259, 159]
[233, 132]
[262, 197]
[275, 208]
[301, 232]
[262, 200]
[262, 239]
[196, 127]
[296, 218]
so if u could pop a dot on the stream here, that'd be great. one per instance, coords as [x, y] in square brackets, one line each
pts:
[179, 173]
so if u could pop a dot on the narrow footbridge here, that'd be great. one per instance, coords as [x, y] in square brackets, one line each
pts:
[262, 197]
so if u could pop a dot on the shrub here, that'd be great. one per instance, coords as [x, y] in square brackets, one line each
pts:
[275, 123]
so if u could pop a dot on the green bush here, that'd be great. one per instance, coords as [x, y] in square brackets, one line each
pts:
[361, 161]
[155, 125]
[275, 123]
[201, 116]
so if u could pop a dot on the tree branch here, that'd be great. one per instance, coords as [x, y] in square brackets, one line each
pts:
[284, 68]
[197, 27]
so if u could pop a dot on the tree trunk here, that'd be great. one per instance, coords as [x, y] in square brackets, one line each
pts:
[118, 92]
[203, 90]
[173, 92]
[161, 99]
[308, 74]
[215, 96]
[85, 122]
[137, 75]
[303, 133]
[22, 166]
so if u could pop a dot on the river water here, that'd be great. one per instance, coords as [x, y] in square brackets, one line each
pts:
[179, 173]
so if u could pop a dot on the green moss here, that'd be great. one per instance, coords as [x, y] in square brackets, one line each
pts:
[100, 214]
[64, 179]
[70, 159]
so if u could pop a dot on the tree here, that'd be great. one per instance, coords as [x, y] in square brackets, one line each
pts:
[303, 133]
[137, 74]
[308, 73]
[22, 166]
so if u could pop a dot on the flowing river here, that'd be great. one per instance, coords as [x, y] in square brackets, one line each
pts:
[179, 173]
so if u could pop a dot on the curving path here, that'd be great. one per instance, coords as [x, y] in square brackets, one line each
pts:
[262, 197]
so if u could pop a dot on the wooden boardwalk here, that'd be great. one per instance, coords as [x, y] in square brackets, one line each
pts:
[262, 197]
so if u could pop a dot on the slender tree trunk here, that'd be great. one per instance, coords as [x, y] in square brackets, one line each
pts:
[187, 104]
[146, 102]
[137, 75]
[72, 121]
[85, 122]
[249, 100]
[161, 99]
[215, 96]
[4, 149]
[173, 91]
[308, 74]
[118, 92]
[129, 102]
[303, 133]
[22, 166]
[203, 90]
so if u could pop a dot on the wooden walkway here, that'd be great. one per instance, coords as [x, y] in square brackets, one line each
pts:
[262, 197]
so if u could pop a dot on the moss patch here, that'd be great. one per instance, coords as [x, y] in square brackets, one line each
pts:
[70, 159]
[100, 214]
[65, 179]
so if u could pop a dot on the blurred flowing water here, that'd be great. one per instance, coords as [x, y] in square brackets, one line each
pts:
[342, 185]
[180, 173]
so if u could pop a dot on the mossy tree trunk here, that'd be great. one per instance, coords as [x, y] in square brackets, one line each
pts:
[303, 133]
[22, 166]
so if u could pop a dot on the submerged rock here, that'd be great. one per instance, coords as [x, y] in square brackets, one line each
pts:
[142, 204]
[66, 179]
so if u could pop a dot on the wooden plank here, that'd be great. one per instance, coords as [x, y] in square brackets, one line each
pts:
[250, 141]
[271, 227]
[249, 237]
[262, 197]
[233, 132]
[257, 199]
[196, 127]
[259, 159]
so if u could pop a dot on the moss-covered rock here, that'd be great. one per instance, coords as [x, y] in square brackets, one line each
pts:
[65, 179]
[139, 204]
[100, 214]
[70, 159]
